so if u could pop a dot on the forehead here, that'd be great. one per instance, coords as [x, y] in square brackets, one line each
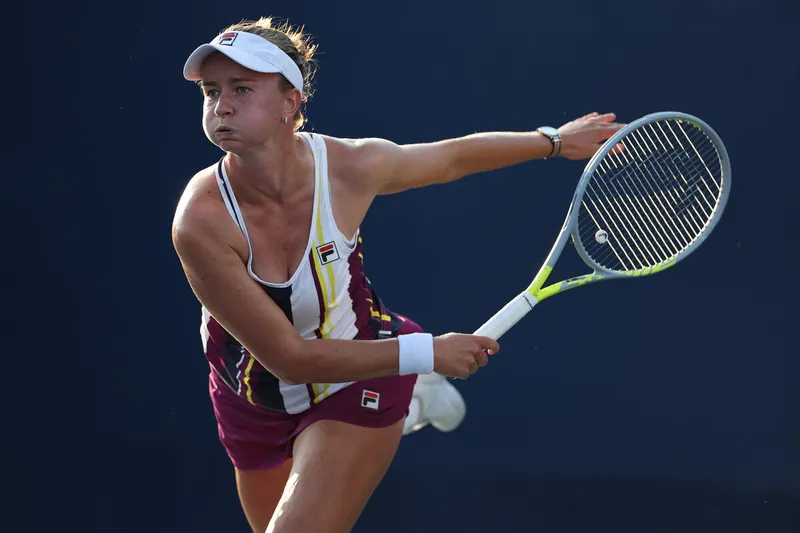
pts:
[219, 67]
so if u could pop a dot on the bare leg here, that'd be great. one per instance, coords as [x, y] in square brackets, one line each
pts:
[259, 493]
[337, 467]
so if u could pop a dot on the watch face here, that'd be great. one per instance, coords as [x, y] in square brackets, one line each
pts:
[547, 130]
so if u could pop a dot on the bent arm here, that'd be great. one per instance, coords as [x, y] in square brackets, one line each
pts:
[218, 278]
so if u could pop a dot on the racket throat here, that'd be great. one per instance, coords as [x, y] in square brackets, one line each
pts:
[528, 298]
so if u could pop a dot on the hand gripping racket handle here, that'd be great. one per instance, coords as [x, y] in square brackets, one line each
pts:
[506, 317]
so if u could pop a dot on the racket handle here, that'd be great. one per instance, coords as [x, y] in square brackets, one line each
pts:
[507, 317]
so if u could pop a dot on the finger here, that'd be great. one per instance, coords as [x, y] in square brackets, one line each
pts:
[610, 129]
[618, 148]
[607, 117]
[473, 367]
[482, 358]
[487, 343]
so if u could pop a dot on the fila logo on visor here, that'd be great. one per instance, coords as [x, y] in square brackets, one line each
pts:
[328, 253]
[228, 38]
[370, 399]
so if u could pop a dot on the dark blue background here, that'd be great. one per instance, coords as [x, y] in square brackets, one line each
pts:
[660, 404]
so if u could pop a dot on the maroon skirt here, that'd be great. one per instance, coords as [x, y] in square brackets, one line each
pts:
[256, 438]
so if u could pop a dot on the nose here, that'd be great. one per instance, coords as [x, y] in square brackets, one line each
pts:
[224, 105]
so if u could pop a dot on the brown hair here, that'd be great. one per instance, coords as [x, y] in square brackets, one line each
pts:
[295, 43]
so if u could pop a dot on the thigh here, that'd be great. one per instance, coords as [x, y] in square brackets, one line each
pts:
[254, 438]
[259, 493]
[337, 467]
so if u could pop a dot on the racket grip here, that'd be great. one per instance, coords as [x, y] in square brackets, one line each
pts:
[507, 317]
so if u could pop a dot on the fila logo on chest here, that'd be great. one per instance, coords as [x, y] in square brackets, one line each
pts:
[327, 253]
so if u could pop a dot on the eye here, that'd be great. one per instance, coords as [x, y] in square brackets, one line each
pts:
[212, 93]
[242, 90]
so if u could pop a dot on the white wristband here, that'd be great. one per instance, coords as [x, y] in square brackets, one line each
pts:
[416, 353]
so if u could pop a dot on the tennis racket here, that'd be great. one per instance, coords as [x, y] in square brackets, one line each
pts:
[636, 211]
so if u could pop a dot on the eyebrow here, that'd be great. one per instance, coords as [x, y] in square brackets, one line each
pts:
[202, 83]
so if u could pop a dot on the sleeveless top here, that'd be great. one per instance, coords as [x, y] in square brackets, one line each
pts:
[328, 296]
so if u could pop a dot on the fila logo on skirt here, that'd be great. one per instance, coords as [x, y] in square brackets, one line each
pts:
[370, 400]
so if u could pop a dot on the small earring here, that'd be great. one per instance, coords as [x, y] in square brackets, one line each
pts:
[285, 120]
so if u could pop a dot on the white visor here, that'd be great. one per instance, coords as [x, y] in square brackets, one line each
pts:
[249, 50]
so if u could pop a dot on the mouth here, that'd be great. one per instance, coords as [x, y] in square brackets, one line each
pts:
[223, 129]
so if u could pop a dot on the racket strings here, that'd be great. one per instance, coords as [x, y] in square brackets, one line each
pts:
[640, 219]
[626, 204]
[694, 171]
[616, 220]
[653, 198]
[640, 145]
[646, 237]
[699, 175]
[636, 219]
[671, 239]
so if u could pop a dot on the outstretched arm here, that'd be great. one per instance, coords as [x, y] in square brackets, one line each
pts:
[388, 168]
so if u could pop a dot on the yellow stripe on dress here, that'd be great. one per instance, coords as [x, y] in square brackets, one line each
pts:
[328, 291]
[377, 314]
[247, 379]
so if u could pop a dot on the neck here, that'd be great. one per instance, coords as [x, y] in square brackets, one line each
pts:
[275, 171]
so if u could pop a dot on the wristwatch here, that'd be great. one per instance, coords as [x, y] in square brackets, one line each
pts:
[555, 138]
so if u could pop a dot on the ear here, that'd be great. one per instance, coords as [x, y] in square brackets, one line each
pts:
[291, 102]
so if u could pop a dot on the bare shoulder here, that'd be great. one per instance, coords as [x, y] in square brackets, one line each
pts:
[359, 160]
[196, 203]
[374, 166]
[201, 215]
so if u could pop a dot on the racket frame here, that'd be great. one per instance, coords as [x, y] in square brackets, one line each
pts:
[524, 302]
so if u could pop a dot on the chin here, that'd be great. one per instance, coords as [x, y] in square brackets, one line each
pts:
[226, 141]
[233, 146]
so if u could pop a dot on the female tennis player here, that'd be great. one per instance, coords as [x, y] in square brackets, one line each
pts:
[311, 376]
